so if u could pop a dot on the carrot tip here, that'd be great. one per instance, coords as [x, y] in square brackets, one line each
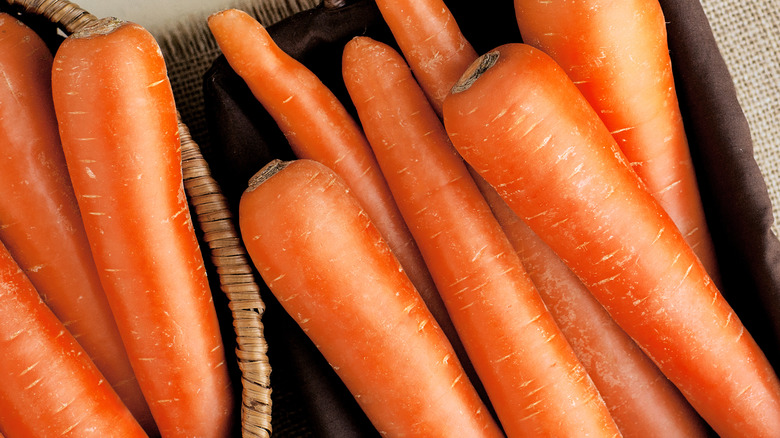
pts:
[103, 26]
[474, 71]
[265, 173]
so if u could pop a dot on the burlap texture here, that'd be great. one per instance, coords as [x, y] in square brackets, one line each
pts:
[748, 34]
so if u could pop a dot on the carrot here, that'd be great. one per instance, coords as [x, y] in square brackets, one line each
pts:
[40, 223]
[119, 130]
[640, 398]
[333, 272]
[530, 372]
[431, 42]
[556, 165]
[319, 128]
[617, 55]
[50, 387]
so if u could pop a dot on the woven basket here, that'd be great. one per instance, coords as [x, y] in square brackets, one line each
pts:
[226, 251]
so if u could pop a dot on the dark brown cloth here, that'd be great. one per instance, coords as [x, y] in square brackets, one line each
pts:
[734, 193]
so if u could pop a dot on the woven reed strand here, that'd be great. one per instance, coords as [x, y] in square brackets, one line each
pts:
[68, 15]
[227, 253]
[236, 281]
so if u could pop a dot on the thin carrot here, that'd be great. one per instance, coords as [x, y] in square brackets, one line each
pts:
[319, 128]
[531, 374]
[552, 160]
[325, 261]
[431, 42]
[642, 401]
[616, 53]
[40, 222]
[49, 385]
[119, 130]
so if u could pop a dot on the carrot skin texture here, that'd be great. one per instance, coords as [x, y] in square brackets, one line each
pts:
[318, 127]
[431, 41]
[119, 130]
[617, 55]
[332, 271]
[40, 222]
[556, 165]
[50, 387]
[642, 401]
[630, 408]
[534, 380]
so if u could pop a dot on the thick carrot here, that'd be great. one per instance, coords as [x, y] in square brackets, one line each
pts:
[319, 128]
[431, 42]
[531, 374]
[119, 130]
[40, 222]
[617, 54]
[50, 387]
[640, 398]
[325, 261]
[552, 160]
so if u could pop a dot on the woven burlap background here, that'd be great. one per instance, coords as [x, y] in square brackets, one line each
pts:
[747, 32]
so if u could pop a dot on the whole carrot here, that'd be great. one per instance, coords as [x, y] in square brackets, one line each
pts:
[325, 261]
[552, 160]
[531, 374]
[119, 130]
[617, 55]
[50, 387]
[431, 42]
[40, 222]
[642, 401]
[318, 127]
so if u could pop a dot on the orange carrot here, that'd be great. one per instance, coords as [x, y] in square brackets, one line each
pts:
[617, 55]
[431, 42]
[556, 165]
[40, 223]
[640, 398]
[319, 128]
[325, 261]
[531, 374]
[49, 385]
[119, 130]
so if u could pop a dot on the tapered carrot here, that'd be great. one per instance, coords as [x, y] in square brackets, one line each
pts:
[119, 130]
[319, 128]
[40, 223]
[531, 374]
[552, 160]
[50, 387]
[640, 398]
[431, 42]
[617, 55]
[328, 265]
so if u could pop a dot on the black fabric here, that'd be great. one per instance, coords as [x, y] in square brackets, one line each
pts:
[734, 193]
[736, 201]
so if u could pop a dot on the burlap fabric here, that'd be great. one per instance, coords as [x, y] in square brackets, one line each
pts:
[748, 34]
